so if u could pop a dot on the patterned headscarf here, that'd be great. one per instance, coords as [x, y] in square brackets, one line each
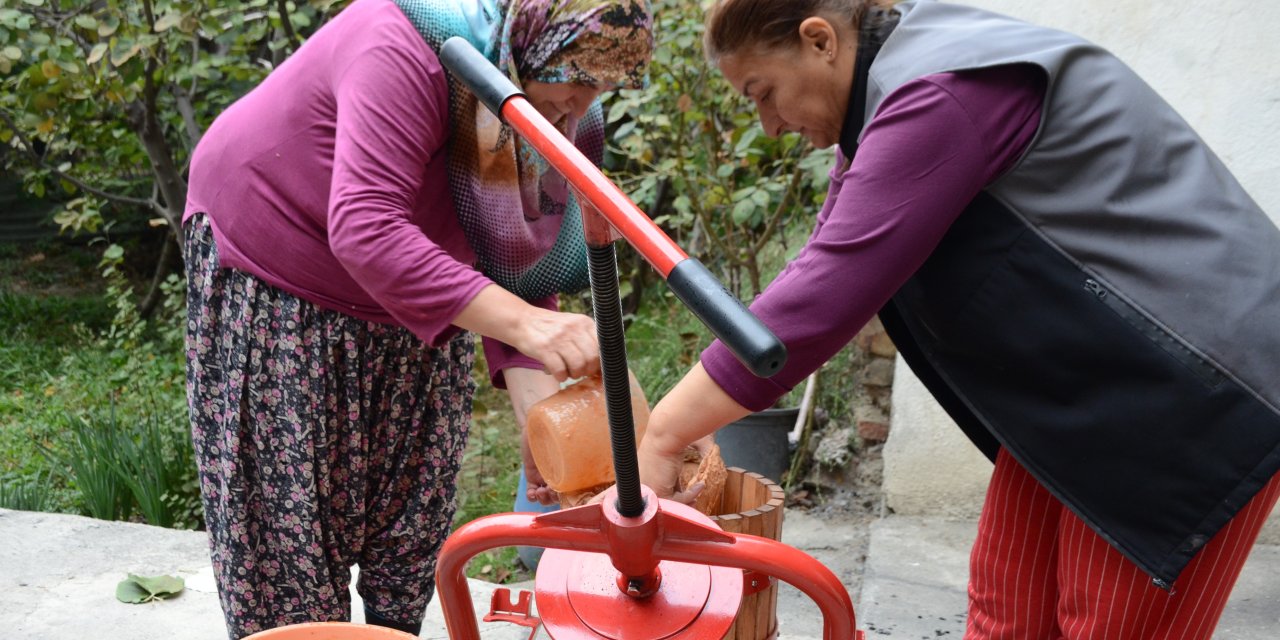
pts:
[587, 41]
[516, 212]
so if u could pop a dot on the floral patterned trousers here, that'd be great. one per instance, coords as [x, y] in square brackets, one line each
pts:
[323, 442]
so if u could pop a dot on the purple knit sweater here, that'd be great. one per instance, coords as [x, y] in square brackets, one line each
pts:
[328, 180]
[931, 147]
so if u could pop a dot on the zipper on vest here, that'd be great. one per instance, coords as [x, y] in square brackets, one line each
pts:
[1153, 332]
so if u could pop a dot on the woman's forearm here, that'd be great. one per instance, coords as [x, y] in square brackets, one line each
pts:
[494, 312]
[565, 343]
[695, 408]
[527, 387]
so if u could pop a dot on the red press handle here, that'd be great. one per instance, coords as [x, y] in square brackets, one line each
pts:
[753, 343]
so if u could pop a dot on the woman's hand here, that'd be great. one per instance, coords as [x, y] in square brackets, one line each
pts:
[688, 415]
[526, 387]
[565, 343]
[536, 489]
[660, 467]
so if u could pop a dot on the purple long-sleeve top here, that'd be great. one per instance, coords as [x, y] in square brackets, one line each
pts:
[932, 145]
[329, 180]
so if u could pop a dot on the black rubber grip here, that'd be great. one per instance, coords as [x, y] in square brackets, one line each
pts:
[750, 341]
[485, 80]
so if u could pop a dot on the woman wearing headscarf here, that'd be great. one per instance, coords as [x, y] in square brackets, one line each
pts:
[351, 222]
[1065, 264]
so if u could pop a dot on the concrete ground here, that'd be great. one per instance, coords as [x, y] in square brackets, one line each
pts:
[914, 584]
[58, 575]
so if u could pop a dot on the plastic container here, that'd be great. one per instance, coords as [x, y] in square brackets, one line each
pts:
[758, 442]
[331, 631]
[569, 435]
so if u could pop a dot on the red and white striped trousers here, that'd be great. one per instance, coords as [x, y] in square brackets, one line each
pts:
[1037, 572]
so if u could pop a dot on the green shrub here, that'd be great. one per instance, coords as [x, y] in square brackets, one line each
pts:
[26, 493]
[155, 462]
[144, 465]
[87, 457]
[691, 152]
[71, 380]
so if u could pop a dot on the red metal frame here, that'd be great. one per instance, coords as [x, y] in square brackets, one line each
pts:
[502, 609]
[670, 537]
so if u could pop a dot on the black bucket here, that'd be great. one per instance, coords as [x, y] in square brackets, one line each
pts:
[758, 442]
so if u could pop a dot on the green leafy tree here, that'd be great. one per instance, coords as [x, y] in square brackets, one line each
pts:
[692, 153]
[102, 101]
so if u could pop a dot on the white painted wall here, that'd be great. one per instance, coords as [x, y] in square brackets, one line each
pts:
[1218, 64]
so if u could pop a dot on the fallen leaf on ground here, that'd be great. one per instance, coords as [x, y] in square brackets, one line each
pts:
[139, 589]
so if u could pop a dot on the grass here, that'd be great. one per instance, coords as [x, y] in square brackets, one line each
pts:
[86, 457]
[489, 475]
[491, 463]
[49, 308]
[25, 493]
[70, 399]
[61, 379]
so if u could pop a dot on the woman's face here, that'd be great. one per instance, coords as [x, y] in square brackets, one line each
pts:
[559, 101]
[802, 88]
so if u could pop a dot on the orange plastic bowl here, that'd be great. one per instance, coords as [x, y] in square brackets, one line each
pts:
[331, 631]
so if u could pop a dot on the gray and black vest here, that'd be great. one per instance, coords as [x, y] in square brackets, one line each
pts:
[1109, 309]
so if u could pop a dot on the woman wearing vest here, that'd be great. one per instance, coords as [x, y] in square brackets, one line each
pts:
[351, 221]
[1068, 268]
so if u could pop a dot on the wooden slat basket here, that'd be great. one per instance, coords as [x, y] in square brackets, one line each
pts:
[753, 504]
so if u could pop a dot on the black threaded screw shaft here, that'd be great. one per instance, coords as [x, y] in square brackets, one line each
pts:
[617, 386]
